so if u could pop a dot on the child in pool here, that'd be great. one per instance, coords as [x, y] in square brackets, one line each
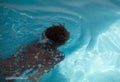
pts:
[42, 55]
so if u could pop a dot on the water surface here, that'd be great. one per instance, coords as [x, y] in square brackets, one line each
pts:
[92, 52]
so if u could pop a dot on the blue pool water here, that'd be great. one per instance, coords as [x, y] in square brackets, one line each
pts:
[93, 50]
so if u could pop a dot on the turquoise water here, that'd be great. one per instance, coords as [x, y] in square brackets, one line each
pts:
[93, 50]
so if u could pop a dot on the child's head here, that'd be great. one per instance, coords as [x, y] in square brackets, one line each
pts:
[58, 34]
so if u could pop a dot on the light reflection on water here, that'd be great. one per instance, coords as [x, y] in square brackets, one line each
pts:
[92, 52]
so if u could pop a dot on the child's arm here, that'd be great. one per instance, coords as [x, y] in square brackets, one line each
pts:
[40, 72]
[50, 62]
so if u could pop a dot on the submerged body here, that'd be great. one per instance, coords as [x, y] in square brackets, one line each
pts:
[36, 56]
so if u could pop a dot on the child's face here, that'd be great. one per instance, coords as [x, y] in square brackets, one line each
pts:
[44, 36]
[45, 39]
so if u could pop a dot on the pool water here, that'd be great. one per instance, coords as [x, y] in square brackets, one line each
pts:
[93, 50]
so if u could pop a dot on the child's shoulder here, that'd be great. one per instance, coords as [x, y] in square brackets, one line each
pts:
[53, 52]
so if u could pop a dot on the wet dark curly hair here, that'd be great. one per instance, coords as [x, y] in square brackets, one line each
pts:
[58, 34]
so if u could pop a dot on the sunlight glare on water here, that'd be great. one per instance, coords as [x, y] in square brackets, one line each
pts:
[100, 64]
